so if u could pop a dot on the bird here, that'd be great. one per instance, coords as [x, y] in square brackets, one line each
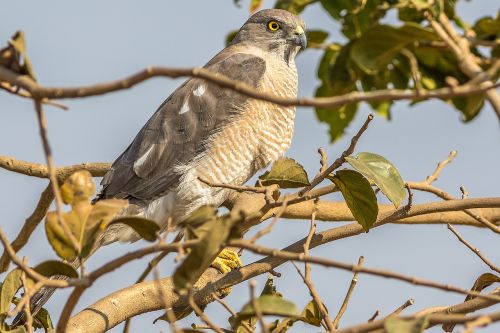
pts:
[203, 132]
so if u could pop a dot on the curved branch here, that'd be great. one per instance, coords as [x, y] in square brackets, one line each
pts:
[143, 297]
[41, 171]
[38, 91]
[29, 226]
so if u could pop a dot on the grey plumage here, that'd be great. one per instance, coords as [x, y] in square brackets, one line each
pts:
[172, 138]
[204, 130]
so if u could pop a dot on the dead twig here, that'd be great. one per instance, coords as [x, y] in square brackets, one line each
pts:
[347, 297]
[473, 249]
[339, 161]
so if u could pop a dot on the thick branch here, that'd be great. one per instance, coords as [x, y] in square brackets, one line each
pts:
[142, 297]
[40, 170]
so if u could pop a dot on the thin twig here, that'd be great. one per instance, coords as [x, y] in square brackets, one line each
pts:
[434, 176]
[422, 186]
[271, 225]
[287, 255]
[473, 249]
[202, 316]
[347, 297]
[324, 160]
[307, 273]
[406, 304]
[168, 310]
[24, 94]
[415, 72]
[29, 226]
[42, 124]
[231, 311]
[29, 271]
[375, 315]
[27, 307]
[238, 188]
[465, 58]
[260, 318]
[427, 186]
[339, 161]
[25, 299]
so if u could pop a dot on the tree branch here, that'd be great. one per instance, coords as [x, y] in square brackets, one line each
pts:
[41, 171]
[448, 314]
[38, 91]
[473, 249]
[461, 49]
[29, 226]
[141, 298]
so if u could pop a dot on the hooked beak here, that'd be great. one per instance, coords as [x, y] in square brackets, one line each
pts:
[299, 38]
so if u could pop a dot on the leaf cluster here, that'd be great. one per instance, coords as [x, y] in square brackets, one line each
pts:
[378, 56]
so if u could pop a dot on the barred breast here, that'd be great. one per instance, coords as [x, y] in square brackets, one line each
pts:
[258, 136]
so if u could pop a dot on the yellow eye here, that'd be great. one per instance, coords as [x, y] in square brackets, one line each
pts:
[273, 25]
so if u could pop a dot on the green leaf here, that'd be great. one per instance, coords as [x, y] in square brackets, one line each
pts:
[338, 76]
[9, 288]
[50, 268]
[383, 173]
[487, 27]
[270, 287]
[268, 305]
[286, 173]
[42, 320]
[78, 187]
[421, 4]
[255, 5]
[378, 46]
[398, 325]
[294, 6]
[147, 229]
[359, 196]
[57, 238]
[470, 106]
[230, 36]
[311, 314]
[483, 281]
[101, 214]
[337, 119]
[216, 232]
[18, 329]
[316, 37]
[19, 44]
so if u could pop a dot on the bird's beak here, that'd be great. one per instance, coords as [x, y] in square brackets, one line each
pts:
[299, 38]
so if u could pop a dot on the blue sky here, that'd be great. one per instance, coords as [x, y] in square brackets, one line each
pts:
[75, 43]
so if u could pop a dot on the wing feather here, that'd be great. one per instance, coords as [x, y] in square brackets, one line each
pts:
[178, 130]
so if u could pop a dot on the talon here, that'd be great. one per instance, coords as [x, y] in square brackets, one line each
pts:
[226, 261]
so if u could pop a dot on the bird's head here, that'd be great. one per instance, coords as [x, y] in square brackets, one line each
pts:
[274, 30]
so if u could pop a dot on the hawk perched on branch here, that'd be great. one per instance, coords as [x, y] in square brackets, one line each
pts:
[204, 131]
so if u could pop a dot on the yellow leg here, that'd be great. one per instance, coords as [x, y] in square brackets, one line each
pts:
[226, 261]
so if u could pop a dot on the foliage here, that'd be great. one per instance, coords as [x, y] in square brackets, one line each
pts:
[375, 54]
[88, 221]
[286, 173]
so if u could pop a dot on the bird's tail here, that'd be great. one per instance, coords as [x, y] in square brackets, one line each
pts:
[41, 297]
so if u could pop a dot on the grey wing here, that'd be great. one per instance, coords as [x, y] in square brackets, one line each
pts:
[178, 130]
